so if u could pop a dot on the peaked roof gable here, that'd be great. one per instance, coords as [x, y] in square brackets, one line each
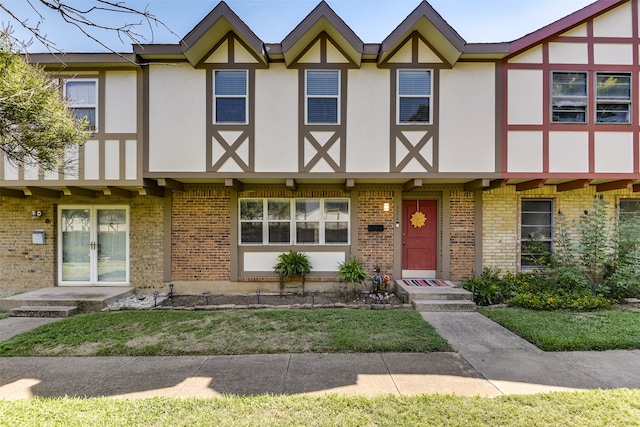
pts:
[207, 33]
[563, 25]
[322, 19]
[432, 27]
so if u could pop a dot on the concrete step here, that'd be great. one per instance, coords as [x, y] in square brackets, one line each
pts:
[86, 298]
[444, 305]
[444, 294]
[43, 311]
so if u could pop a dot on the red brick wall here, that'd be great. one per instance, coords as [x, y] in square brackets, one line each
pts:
[200, 233]
[373, 246]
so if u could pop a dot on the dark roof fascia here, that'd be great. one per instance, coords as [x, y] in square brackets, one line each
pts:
[222, 10]
[371, 48]
[157, 49]
[275, 48]
[564, 24]
[322, 10]
[97, 59]
[486, 50]
[424, 9]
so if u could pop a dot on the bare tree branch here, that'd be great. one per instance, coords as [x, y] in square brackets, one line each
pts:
[90, 21]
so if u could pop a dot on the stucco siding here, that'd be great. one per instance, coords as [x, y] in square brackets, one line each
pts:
[568, 53]
[568, 152]
[112, 159]
[615, 54]
[467, 118]
[616, 23]
[614, 152]
[276, 119]
[91, 167]
[120, 102]
[369, 113]
[525, 151]
[177, 122]
[531, 56]
[524, 102]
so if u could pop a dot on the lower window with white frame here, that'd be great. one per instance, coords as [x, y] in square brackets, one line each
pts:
[312, 221]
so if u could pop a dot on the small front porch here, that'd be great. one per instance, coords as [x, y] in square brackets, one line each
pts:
[434, 295]
[85, 299]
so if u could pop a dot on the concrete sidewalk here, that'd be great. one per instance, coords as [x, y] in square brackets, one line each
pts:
[515, 366]
[490, 361]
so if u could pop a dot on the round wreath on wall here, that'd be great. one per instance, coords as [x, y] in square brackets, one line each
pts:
[418, 219]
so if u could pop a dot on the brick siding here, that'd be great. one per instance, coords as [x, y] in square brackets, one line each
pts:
[200, 234]
[27, 266]
[462, 232]
[501, 218]
[376, 246]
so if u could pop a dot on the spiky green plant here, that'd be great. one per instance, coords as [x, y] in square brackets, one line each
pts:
[293, 263]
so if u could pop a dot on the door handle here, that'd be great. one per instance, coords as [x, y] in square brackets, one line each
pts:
[403, 243]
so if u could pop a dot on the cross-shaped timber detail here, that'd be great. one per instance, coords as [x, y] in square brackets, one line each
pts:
[230, 150]
[414, 152]
[322, 152]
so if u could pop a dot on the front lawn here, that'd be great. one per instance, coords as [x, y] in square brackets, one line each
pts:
[572, 331]
[173, 333]
[590, 408]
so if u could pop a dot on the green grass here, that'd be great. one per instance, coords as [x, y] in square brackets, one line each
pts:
[4, 315]
[591, 408]
[165, 333]
[572, 331]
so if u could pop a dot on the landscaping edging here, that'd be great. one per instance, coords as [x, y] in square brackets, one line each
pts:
[228, 307]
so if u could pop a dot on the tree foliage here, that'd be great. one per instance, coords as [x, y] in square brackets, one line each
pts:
[36, 126]
[594, 239]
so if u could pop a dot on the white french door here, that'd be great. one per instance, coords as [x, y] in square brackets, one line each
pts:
[93, 245]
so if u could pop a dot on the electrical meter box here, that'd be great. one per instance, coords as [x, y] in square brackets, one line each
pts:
[38, 237]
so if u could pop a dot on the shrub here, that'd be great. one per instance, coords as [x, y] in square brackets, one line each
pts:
[486, 288]
[561, 300]
[351, 271]
[571, 278]
[624, 283]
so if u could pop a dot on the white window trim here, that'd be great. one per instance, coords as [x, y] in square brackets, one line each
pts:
[338, 97]
[612, 100]
[245, 96]
[398, 96]
[293, 221]
[72, 104]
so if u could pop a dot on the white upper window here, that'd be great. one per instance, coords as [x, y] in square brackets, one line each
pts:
[82, 98]
[414, 96]
[613, 93]
[230, 93]
[322, 97]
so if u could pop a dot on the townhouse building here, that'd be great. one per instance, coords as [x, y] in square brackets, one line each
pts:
[425, 154]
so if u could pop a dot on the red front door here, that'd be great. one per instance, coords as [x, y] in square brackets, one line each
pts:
[419, 234]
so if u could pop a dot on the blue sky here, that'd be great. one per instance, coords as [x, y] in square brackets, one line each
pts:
[272, 20]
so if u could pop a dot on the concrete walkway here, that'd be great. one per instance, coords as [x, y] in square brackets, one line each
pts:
[514, 366]
[490, 362]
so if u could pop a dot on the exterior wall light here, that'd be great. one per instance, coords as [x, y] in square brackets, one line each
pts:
[385, 207]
